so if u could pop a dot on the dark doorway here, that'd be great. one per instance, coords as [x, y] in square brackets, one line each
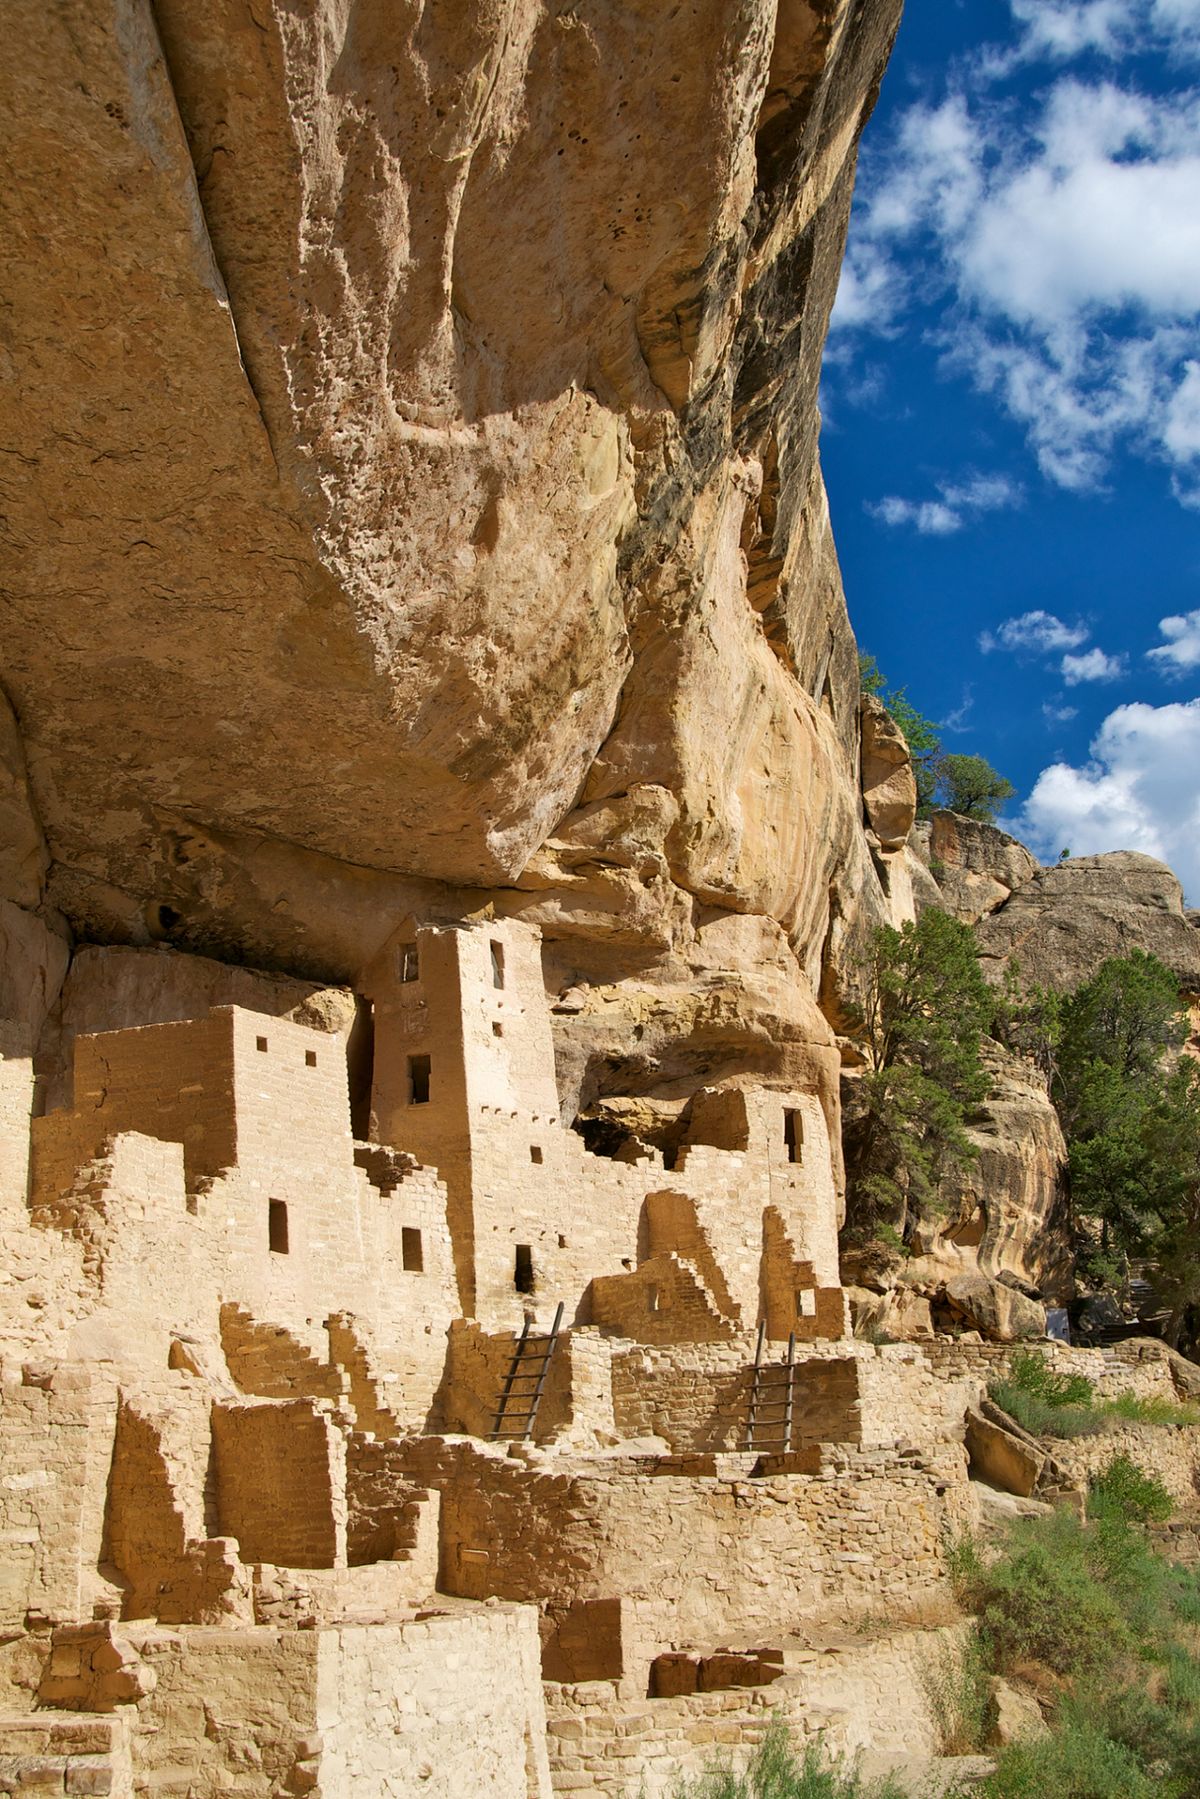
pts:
[360, 1067]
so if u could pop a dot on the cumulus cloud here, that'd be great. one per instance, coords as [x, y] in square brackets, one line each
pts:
[1055, 713]
[1065, 238]
[959, 501]
[1058, 29]
[1181, 651]
[1137, 792]
[1038, 631]
[1092, 665]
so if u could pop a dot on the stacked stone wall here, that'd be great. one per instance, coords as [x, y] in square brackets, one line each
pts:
[880, 1694]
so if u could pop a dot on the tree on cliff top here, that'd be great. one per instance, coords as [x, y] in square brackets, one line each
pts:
[965, 784]
[971, 786]
[925, 1010]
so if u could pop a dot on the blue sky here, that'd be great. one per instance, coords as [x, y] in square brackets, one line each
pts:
[1012, 406]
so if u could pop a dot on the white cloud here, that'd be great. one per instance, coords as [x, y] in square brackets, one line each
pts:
[1055, 713]
[1065, 28]
[1182, 648]
[1138, 791]
[1066, 239]
[1181, 433]
[1092, 665]
[930, 517]
[959, 501]
[1039, 631]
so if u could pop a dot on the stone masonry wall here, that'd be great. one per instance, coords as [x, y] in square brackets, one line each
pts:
[878, 1694]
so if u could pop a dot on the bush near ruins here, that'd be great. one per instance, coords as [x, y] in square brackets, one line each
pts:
[776, 1771]
[1049, 1404]
[1104, 1630]
[926, 1007]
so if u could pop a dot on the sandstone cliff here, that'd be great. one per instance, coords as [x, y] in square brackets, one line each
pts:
[414, 481]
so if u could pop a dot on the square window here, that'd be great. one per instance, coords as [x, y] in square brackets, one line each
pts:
[260, 1043]
[497, 1030]
[535, 1153]
[418, 1080]
[310, 1058]
[412, 1252]
[806, 1303]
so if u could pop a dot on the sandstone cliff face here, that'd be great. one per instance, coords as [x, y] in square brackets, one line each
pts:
[415, 481]
[1002, 1230]
[1061, 924]
[967, 867]
[415, 437]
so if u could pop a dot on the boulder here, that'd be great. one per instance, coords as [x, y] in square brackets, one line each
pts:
[1063, 923]
[1000, 1458]
[997, 1311]
[975, 865]
[888, 784]
[1016, 1715]
[1009, 1204]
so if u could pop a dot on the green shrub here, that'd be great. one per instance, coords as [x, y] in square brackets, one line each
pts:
[1043, 1601]
[1078, 1762]
[776, 1772]
[958, 1688]
[1044, 1402]
[1034, 1375]
[1042, 1419]
[1125, 1491]
[1128, 1407]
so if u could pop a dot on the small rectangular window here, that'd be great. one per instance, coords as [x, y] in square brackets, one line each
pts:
[411, 1251]
[408, 962]
[497, 963]
[806, 1303]
[418, 1080]
[535, 1153]
[497, 1030]
[277, 1227]
[793, 1135]
[310, 1058]
[260, 1043]
[523, 1268]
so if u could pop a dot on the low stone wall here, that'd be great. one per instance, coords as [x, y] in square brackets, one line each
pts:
[1171, 1453]
[696, 1397]
[698, 1556]
[1140, 1367]
[877, 1695]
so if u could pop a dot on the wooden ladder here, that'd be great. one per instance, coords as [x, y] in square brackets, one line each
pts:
[518, 1408]
[772, 1397]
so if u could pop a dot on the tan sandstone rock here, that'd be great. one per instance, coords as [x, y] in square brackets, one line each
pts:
[1018, 1716]
[975, 866]
[888, 783]
[1060, 925]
